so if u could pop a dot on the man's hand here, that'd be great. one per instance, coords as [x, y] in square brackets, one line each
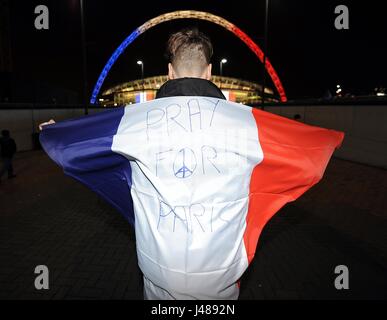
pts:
[46, 123]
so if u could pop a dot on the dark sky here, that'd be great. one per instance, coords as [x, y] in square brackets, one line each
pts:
[309, 54]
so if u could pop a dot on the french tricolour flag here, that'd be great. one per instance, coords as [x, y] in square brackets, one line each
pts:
[197, 177]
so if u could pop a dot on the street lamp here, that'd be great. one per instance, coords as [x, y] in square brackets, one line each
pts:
[84, 59]
[338, 91]
[140, 63]
[221, 65]
[264, 53]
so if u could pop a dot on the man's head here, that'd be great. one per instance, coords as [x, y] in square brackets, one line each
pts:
[5, 133]
[189, 52]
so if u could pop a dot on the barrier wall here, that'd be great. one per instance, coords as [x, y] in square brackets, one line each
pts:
[365, 126]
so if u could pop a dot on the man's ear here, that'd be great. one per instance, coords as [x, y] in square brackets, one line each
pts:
[171, 73]
[208, 72]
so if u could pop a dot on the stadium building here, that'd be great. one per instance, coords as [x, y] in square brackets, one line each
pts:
[237, 90]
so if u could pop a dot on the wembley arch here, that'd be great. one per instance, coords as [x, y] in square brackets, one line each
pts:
[189, 14]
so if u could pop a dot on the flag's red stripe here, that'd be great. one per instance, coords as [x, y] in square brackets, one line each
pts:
[295, 156]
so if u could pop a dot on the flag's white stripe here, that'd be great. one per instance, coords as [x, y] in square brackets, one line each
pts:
[192, 162]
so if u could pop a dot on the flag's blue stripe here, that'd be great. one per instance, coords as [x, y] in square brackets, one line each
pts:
[82, 147]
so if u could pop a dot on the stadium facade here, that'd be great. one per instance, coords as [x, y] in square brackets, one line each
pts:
[237, 90]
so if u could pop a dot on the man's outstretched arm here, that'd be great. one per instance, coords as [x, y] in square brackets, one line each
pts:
[82, 147]
[51, 121]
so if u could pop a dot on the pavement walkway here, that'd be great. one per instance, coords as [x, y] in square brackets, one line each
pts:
[49, 219]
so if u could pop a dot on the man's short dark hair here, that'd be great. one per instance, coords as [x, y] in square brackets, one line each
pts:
[189, 48]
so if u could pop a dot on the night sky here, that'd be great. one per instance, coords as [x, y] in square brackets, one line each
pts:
[308, 53]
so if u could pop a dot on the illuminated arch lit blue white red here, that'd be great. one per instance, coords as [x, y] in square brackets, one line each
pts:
[189, 14]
